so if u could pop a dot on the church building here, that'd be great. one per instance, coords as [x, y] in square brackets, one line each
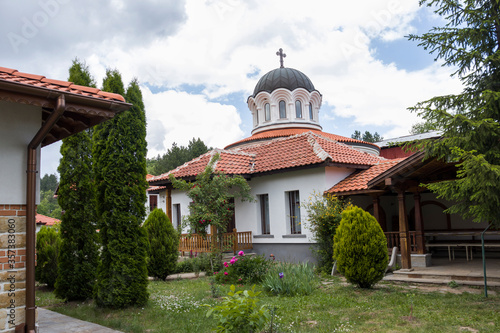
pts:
[288, 158]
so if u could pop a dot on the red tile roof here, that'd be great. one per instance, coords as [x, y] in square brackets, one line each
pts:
[278, 133]
[14, 76]
[282, 153]
[358, 181]
[45, 220]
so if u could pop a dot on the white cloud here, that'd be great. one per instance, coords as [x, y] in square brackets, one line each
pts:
[201, 51]
[178, 117]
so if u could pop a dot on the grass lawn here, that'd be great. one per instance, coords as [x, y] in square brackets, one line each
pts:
[177, 306]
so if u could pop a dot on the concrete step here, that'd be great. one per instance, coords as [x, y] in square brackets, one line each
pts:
[435, 279]
[420, 274]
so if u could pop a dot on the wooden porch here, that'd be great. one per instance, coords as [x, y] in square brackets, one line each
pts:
[233, 241]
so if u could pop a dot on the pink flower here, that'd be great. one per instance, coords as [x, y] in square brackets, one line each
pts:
[226, 273]
[232, 261]
[226, 264]
[215, 273]
[241, 253]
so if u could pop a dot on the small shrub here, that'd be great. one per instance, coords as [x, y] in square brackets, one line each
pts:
[47, 245]
[243, 269]
[239, 312]
[289, 279]
[360, 248]
[325, 213]
[163, 245]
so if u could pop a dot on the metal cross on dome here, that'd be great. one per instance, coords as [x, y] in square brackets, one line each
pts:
[282, 55]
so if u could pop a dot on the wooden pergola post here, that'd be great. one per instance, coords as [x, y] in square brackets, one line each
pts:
[376, 211]
[419, 224]
[403, 230]
[213, 235]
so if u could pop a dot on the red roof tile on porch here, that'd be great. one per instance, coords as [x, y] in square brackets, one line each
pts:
[46, 220]
[359, 180]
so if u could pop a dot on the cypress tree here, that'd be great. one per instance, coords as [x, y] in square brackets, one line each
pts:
[119, 153]
[78, 253]
[163, 244]
[360, 248]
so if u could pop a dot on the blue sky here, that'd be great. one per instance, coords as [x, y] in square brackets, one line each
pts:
[199, 60]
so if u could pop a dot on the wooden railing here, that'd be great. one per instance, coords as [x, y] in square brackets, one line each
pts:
[393, 239]
[235, 241]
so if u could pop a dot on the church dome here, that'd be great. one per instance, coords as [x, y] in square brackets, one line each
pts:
[287, 78]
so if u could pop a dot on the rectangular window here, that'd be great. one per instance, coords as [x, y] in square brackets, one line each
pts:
[294, 212]
[153, 202]
[264, 214]
[177, 216]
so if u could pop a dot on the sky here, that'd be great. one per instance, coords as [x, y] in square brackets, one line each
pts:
[197, 61]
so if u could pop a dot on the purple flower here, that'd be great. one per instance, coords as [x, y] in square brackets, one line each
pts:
[241, 253]
[281, 275]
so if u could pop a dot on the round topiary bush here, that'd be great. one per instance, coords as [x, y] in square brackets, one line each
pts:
[163, 245]
[360, 248]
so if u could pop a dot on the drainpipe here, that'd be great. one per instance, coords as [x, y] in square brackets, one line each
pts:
[30, 211]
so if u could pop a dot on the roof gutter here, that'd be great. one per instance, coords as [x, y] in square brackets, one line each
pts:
[30, 211]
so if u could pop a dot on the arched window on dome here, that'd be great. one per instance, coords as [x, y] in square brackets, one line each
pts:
[282, 109]
[267, 111]
[298, 109]
[311, 116]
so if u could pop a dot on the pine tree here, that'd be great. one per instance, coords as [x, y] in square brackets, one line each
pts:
[163, 244]
[119, 154]
[470, 121]
[78, 256]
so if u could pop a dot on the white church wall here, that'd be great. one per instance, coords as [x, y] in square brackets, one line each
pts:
[277, 186]
[19, 125]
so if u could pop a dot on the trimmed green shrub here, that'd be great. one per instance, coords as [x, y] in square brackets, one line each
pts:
[242, 269]
[360, 248]
[289, 279]
[239, 312]
[163, 245]
[47, 245]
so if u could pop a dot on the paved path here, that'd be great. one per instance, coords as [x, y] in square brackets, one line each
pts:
[53, 322]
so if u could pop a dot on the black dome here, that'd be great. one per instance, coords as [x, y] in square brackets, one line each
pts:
[287, 78]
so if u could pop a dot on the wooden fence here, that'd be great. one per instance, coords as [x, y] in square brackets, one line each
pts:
[233, 241]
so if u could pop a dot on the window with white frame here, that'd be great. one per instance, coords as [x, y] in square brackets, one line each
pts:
[294, 211]
[177, 216]
[267, 111]
[264, 214]
[298, 109]
[282, 106]
[311, 116]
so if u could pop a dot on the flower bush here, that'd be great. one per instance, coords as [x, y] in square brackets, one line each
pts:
[243, 270]
[289, 279]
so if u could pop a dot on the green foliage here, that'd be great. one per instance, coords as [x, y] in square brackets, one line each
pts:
[288, 279]
[119, 161]
[239, 312]
[175, 156]
[243, 269]
[48, 183]
[360, 248]
[325, 213]
[213, 195]
[367, 136]
[470, 121]
[422, 127]
[47, 255]
[48, 205]
[163, 244]
[79, 255]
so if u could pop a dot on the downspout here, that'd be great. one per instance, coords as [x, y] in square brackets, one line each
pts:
[30, 211]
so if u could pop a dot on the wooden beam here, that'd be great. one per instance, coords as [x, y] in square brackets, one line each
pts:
[404, 234]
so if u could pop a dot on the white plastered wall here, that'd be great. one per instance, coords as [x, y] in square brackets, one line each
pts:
[307, 182]
[18, 125]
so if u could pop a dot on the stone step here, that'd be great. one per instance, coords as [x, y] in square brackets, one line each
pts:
[434, 279]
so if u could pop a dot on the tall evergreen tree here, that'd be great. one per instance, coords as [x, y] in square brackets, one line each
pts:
[119, 154]
[177, 155]
[470, 121]
[78, 256]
